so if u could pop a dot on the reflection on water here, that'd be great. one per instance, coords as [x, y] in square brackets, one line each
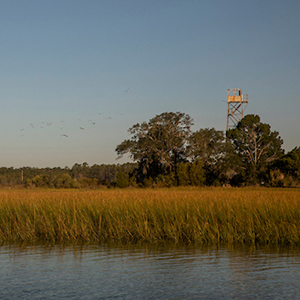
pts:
[147, 272]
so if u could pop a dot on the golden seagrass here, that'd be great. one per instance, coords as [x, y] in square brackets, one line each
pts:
[178, 215]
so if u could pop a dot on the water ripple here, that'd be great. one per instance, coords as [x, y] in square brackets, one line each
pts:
[108, 272]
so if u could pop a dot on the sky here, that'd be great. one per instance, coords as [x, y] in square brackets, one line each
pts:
[76, 75]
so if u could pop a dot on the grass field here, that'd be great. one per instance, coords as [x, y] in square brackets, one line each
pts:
[179, 215]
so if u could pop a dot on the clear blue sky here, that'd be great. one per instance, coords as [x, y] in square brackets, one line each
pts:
[69, 63]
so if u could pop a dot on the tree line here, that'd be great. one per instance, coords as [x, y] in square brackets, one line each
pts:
[166, 152]
[79, 176]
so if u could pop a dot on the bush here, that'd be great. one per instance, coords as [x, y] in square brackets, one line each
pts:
[122, 179]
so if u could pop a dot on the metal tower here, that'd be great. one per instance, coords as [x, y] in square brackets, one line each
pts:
[236, 104]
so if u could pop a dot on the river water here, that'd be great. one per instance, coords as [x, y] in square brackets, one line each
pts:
[148, 272]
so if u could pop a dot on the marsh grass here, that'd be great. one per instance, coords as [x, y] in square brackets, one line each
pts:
[182, 215]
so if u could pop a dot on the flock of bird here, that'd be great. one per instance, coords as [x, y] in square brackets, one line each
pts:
[62, 123]
[61, 126]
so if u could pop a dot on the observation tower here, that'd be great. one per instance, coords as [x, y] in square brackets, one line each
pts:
[236, 105]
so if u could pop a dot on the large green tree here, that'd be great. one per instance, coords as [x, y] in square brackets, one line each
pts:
[208, 145]
[287, 168]
[255, 146]
[159, 145]
[291, 163]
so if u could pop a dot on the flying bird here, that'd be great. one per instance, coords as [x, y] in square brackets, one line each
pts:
[64, 135]
[108, 118]
[81, 128]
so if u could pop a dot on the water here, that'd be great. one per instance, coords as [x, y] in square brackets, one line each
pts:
[145, 272]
